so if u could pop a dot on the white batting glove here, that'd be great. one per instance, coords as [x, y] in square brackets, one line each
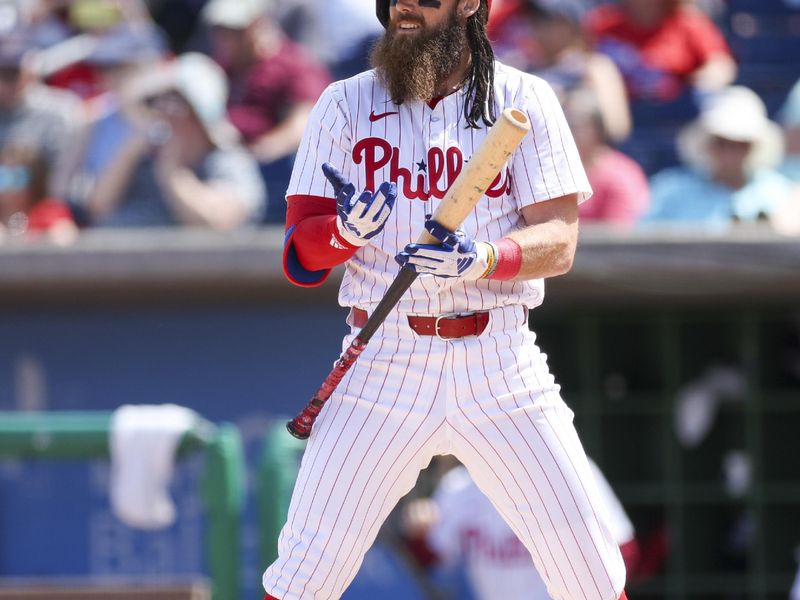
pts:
[362, 218]
[456, 256]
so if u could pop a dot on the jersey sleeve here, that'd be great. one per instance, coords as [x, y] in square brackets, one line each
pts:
[311, 212]
[326, 139]
[547, 164]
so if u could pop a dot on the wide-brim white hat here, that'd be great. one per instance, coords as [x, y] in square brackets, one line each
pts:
[735, 113]
[203, 85]
[234, 14]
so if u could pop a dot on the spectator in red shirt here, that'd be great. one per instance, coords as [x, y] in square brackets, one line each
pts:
[274, 82]
[26, 209]
[621, 194]
[661, 46]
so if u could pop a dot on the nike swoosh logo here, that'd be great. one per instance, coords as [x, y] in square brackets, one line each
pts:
[373, 117]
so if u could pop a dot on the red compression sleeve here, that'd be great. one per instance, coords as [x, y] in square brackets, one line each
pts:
[509, 259]
[313, 245]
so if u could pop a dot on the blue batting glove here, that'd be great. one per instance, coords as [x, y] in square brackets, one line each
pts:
[456, 255]
[362, 217]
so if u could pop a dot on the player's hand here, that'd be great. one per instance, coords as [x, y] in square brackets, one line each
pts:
[455, 256]
[360, 218]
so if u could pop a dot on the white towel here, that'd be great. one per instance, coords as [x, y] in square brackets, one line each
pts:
[143, 444]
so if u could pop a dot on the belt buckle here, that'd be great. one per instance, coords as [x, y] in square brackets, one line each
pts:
[446, 316]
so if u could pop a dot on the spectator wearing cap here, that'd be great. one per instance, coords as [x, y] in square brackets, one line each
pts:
[185, 165]
[568, 64]
[64, 31]
[662, 47]
[119, 54]
[33, 115]
[621, 193]
[53, 21]
[729, 153]
[274, 82]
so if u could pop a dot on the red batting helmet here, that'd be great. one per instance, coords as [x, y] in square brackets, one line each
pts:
[382, 10]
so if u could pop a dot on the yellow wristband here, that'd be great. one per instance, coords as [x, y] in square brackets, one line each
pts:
[491, 260]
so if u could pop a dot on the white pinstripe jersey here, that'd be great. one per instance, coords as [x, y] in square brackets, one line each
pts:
[356, 127]
[499, 567]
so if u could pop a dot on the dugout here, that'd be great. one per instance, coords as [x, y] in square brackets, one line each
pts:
[210, 320]
[679, 354]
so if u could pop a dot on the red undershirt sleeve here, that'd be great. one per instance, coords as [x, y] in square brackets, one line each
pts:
[312, 246]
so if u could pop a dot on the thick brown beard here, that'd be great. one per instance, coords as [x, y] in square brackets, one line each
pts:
[412, 67]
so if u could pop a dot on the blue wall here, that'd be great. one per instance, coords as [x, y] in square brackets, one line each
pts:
[247, 365]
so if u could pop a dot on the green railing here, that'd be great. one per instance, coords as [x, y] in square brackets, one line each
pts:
[85, 435]
[277, 472]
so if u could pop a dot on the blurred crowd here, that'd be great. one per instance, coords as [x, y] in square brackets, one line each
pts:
[137, 113]
[152, 113]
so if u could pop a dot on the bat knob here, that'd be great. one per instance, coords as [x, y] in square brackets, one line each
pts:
[299, 430]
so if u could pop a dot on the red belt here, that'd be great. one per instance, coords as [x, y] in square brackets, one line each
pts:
[446, 327]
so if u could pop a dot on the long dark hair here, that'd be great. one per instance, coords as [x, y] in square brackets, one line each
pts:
[480, 86]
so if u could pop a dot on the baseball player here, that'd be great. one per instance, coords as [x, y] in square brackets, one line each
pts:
[454, 369]
[459, 526]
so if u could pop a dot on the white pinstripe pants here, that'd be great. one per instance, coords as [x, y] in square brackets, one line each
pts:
[488, 400]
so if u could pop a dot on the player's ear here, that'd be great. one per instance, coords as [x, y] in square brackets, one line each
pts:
[467, 8]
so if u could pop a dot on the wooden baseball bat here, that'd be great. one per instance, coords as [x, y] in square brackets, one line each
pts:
[475, 178]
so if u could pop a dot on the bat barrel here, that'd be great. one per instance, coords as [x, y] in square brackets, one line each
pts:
[483, 167]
